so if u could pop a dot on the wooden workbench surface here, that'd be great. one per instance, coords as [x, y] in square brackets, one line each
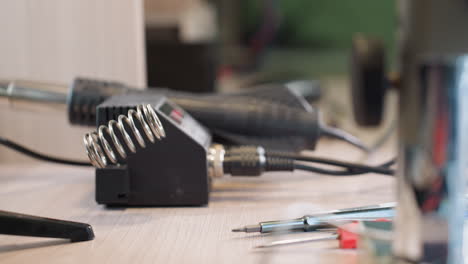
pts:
[183, 235]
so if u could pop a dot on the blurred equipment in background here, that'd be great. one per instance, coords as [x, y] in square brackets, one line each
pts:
[272, 40]
[181, 50]
[433, 122]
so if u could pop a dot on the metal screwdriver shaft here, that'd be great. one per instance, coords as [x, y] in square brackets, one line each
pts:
[34, 95]
[322, 220]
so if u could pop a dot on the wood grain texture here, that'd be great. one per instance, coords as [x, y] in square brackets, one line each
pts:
[56, 40]
[184, 235]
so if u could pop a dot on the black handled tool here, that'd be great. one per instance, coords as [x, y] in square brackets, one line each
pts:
[28, 225]
[277, 116]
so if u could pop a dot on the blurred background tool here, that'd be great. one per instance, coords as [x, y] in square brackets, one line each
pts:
[321, 220]
[276, 116]
[433, 120]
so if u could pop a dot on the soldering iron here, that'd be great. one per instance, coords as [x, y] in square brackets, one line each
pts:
[274, 115]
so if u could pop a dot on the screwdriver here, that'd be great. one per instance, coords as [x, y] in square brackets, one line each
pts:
[322, 220]
[344, 234]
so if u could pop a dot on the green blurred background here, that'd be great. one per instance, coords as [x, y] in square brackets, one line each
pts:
[314, 36]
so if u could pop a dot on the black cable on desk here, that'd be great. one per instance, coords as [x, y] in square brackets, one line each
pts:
[245, 161]
[348, 172]
[17, 147]
[344, 136]
[254, 160]
[351, 167]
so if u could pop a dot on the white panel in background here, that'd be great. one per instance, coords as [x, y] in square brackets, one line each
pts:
[57, 40]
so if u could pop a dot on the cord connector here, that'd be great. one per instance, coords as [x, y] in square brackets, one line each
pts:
[253, 161]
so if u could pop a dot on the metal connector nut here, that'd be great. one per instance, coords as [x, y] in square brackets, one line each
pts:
[215, 158]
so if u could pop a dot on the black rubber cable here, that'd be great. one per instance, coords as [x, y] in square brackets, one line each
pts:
[349, 172]
[243, 160]
[17, 147]
[303, 167]
[352, 168]
[344, 136]
[388, 163]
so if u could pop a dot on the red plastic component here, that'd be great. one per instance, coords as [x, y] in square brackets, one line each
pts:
[383, 220]
[348, 240]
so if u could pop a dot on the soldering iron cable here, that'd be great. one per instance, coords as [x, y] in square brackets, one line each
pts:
[247, 161]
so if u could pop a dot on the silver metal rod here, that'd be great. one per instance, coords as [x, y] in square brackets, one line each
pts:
[295, 241]
[34, 95]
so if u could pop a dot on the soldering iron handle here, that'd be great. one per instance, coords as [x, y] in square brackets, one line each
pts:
[253, 117]
[236, 113]
[86, 94]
